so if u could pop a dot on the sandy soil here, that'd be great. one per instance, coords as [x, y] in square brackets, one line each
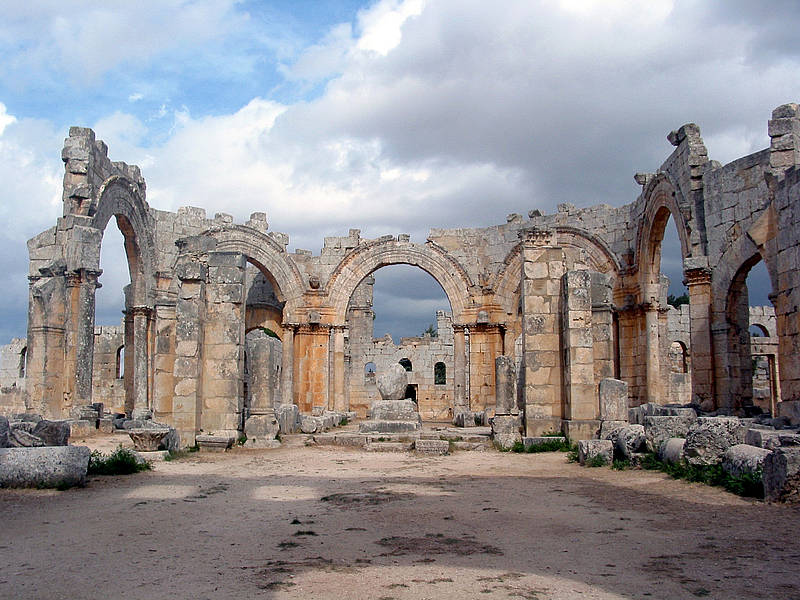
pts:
[338, 523]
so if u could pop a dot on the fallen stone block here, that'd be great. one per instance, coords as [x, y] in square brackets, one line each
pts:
[288, 417]
[672, 450]
[629, 440]
[105, 425]
[5, 432]
[591, 450]
[310, 424]
[709, 437]
[350, 439]
[435, 447]
[506, 431]
[28, 426]
[388, 446]
[147, 440]
[780, 473]
[30, 417]
[613, 399]
[49, 466]
[763, 438]
[744, 459]
[19, 438]
[261, 430]
[214, 443]
[53, 433]
[660, 428]
[79, 430]
[609, 429]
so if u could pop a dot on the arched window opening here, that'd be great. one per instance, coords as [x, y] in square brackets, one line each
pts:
[757, 330]
[120, 367]
[406, 364]
[671, 265]
[23, 355]
[369, 372]
[677, 358]
[439, 373]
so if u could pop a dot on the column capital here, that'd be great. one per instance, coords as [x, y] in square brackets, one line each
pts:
[697, 276]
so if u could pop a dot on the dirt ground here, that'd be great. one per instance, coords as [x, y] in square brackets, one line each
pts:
[343, 523]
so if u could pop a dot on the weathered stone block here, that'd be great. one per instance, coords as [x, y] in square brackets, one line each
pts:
[709, 437]
[50, 466]
[373, 426]
[288, 417]
[613, 400]
[629, 440]
[780, 472]
[214, 443]
[261, 430]
[672, 450]
[392, 383]
[506, 430]
[589, 450]
[395, 410]
[53, 433]
[81, 429]
[744, 459]
[660, 428]
[435, 447]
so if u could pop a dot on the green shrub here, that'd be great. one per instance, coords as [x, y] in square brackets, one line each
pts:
[620, 465]
[748, 484]
[596, 461]
[121, 461]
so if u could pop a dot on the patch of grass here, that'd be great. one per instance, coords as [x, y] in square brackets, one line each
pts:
[572, 453]
[747, 484]
[596, 461]
[343, 422]
[620, 465]
[121, 461]
[240, 441]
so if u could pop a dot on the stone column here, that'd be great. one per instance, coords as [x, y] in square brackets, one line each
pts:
[485, 344]
[505, 388]
[141, 404]
[459, 369]
[581, 400]
[46, 339]
[652, 348]
[698, 280]
[602, 327]
[337, 347]
[79, 359]
[287, 366]
[163, 359]
[543, 266]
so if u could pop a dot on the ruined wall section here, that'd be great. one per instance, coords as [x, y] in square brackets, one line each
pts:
[108, 383]
[12, 377]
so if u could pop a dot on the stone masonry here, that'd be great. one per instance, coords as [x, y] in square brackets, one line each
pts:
[574, 297]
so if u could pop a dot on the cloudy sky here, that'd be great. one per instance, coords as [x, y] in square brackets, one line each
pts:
[389, 116]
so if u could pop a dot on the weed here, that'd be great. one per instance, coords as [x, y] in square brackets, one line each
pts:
[120, 462]
[620, 465]
[597, 461]
[572, 453]
[747, 484]
[240, 441]
[343, 422]
[178, 454]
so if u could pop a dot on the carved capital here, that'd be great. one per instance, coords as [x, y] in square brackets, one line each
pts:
[537, 237]
[697, 276]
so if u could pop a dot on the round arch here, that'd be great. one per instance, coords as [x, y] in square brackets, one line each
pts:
[268, 256]
[661, 202]
[431, 258]
[120, 197]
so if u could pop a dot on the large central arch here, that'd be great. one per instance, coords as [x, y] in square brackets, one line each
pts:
[432, 259]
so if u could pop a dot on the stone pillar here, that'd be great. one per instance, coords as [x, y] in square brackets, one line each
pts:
[311, 367]
[505, 385]
[287, 365]
[163, 360]
[79, 347]
[459, 369]
[485, 344]
[188, 362]
[141, 404]
[603, 336]
[337, 348]
[652, 348]
[262, 385]
[223, 344]
[581, 404]
[543, 267]
[698, 280]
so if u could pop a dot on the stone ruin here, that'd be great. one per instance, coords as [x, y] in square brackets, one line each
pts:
[223, 324]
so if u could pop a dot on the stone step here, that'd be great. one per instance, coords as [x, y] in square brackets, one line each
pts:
[388, 447]
[472, 446]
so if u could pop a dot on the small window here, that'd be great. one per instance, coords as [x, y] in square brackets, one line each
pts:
[121, 362]
[678, 358]
[406, 364]
[439, 373]
[369, 372]
[23, 355]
